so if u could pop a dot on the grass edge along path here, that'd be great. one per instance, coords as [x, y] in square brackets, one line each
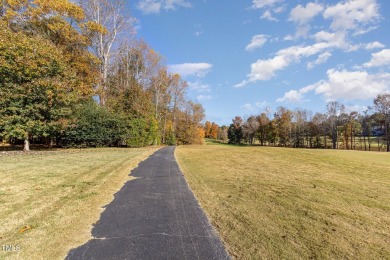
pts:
[278, 203]
[50, 200]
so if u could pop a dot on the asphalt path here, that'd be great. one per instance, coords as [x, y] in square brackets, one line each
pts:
[155, 216]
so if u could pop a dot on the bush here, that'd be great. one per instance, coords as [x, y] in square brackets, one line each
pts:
[94, 126]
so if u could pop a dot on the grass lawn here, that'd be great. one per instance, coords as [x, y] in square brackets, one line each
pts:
[50, 199]
[283, 203]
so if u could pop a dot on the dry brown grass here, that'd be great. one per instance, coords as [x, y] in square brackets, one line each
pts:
[276, 203]
[57, 196]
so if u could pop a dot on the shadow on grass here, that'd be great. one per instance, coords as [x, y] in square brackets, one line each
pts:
[219, 142]
[19, 147]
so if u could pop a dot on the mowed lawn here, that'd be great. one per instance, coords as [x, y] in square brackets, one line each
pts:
[50, 199]
[282, 203]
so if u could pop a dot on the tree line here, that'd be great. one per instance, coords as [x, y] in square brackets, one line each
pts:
[336, 128]
[74, 74]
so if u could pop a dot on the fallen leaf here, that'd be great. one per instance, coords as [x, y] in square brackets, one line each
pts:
[25, 228]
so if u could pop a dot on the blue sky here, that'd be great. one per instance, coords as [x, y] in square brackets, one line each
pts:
[241, 56]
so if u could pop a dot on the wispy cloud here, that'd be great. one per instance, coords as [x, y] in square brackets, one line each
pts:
[322, 58]
[257, 42]
[265, 69]
[191, 69]
[292, 96]
[198, 30]
[204, 97]
[199, 87]
[267, 15]
[155, 6]
[258, 4]
[271, 7]
[257, 106]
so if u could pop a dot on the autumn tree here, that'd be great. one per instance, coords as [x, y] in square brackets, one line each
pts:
[214, 131]
[223, 133]
[59, 22]
[207, 129]
[106, 20]
[235, 134]
[189, 127]
[283, 120]
[37, 88]
[250, 128]
[263, 121]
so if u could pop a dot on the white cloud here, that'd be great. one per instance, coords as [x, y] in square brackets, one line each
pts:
[198, 30]
[262, 104]
[248, 107]
[266, 69]
[199, 87]
[191, 69]
[352, 14]
[257, 42]
[270, 6]
[149, 6]
[302, 15]
[322, 58]
[355, 108]
[258, 4]
[198, 33]
[352, 85]
[292, 96]
[343, 85]
[204, 97]
[379, 59]
[267, 15]
[362, 31]
[257, 106]
[280, 9]
[171, 4]
[374, 45]
[155, 6]
[346, 17]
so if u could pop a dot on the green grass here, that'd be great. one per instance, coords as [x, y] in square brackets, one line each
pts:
[283, 203]
[58, 195]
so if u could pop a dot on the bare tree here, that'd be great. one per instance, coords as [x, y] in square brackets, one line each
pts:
[106, 21]
[334, 110]
[177, 90]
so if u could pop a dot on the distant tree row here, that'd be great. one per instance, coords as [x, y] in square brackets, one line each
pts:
[337, 128]
[67, 78]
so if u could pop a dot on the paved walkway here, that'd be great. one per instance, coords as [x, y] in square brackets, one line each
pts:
[155, 216]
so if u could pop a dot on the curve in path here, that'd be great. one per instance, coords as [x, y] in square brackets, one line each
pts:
[155, 216]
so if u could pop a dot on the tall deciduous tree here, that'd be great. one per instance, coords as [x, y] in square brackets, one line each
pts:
[335, 109]
[106, 21]
[262, 129]
[250, 128]
[283, 118]
[37, 88]
[382, 105]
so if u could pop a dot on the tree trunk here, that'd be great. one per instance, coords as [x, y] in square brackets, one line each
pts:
[387, 137]
[378, 145]
[26, 147]
[365, 145]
